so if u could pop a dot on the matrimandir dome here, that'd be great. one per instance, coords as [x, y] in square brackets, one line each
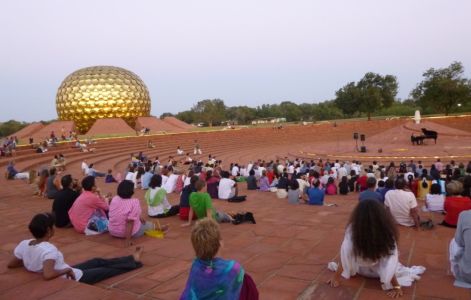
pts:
[102, 92]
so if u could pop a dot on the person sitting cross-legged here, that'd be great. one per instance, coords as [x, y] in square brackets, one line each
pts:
[212, 277]
[40, 256]
[369, 249]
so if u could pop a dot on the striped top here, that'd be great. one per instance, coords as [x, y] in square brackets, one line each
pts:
[122, 210]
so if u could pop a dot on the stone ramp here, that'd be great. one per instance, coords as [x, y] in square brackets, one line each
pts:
[111, 126]
[26, 132]
[58, 127]
[174, 121]
[156, 125]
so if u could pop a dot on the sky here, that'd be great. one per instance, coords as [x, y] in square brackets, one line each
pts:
[246, 52]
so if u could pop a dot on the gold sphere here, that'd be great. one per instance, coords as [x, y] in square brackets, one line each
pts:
[101, 92]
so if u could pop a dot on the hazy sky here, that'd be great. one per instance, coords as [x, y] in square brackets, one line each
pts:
[246, 52]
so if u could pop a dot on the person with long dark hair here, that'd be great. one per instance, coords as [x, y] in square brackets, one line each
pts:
[370, 249]
[40, 256]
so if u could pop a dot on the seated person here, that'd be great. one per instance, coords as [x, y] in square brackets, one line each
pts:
[343, 186]
[282, 186]
[435, 201]
[125, 214]
[109, 177]
[370, 192]
[157, 202]
[212, 277]
[315, 195]
[86, 204]
[293, 191]
[228, 189]
[330, 188]
[264, 182]
[185, 198]
[40, 256]
[460, 255]
[170, 184]
[402, 205]
[388, 185]
[12, 173]
[369, 248]
[63, 201]
[455, 203]
[93, 172]
[180, 151]
[202, 206]
[251, 181]
[146, 177]
[212, 184]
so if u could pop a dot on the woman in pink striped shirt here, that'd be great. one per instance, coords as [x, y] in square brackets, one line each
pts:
[125, 214]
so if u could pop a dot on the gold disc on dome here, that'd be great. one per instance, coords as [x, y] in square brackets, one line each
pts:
[99, 92]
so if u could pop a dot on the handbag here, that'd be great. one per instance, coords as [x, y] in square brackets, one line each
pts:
[97, 224]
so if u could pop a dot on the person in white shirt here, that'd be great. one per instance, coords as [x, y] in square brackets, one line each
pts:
[40, 256]
[402, 205]
[435, 201]
[235, 170]
[291, 169]
[180, 151]
[227, 189]
[342, 171]
[84, 167]
[171, 183]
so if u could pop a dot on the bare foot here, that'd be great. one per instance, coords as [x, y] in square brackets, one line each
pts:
[165, 228]
[137, 254]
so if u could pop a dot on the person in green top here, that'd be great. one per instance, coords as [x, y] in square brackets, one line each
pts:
[202, 205]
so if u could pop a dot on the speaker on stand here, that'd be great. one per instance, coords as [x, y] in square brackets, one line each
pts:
[363, 147]
[355, 137]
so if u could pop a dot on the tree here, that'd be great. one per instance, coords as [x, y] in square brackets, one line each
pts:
[376, 92]
[10, 127]
[166, 114]
[241, 114]
[210, 111]
[187, 116]
[347, 99]
[443, 89]
[290, 111]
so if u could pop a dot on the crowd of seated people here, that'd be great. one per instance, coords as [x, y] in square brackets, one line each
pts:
[398, 189]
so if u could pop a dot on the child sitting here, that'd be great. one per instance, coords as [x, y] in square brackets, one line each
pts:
[212, 277]
[202, 205]
[109, 177]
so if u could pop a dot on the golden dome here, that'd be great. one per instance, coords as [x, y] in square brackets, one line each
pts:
[102, 92]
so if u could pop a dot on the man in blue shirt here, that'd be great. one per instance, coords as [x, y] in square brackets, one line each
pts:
[145, 180]
[315, 194]
[370, 193]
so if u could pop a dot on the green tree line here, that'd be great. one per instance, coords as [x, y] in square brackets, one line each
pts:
[442, 91]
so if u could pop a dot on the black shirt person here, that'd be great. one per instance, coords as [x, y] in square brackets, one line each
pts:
[63, 201]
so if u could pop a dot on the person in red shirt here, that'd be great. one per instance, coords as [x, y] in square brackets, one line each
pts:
[455, 203]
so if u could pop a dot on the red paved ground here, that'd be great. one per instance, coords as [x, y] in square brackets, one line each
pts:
[286, 251]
